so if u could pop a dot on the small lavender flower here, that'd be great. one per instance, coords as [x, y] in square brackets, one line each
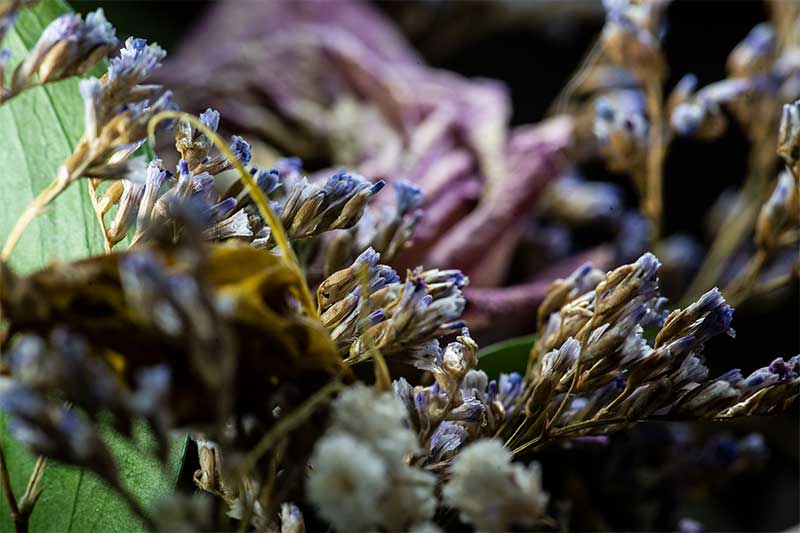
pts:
[191, 143]
[707, 400]
[241, 150]
[755, 53]
[700, 115]
[390, 231]
[136, 61]
[446, 441]
[127, 211]
[310, 209]
[789, 134]
[291, 519]
[621, 128]
[777, 212]
[155, 179]
[557, 367]
[510, 388]
[416, 317]
[576, 202]
[67, 47]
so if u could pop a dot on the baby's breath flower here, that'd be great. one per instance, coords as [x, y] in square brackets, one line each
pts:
[490, 492]
[361, 478]
[410, 500]
[377, 418]
[346, 482]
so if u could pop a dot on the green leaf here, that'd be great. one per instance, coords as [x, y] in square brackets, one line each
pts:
[508, 356]
[38, 130]
[74, 500]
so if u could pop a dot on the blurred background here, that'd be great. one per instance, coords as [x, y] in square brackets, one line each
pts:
[644, 480]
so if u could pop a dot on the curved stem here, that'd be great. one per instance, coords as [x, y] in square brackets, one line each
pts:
[258, 196]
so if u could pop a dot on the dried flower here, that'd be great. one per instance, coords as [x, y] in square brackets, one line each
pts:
[789, 134]
[490, 492]
[360, 477]
[780, 212]
[347, 482]
[67, 47]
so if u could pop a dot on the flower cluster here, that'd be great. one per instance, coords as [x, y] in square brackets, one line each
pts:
[69, 46]
[491, 492]
[461, 405]
[593, 366]
[366, 308]
[206, 324]
[360, 477]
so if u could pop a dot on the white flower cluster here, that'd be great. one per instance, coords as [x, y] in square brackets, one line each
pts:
[360, 477]
[491, 492]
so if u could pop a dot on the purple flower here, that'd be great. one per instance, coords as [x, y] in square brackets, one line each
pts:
[409, 197]
[135, 62]
[241, 149]
[446, 440]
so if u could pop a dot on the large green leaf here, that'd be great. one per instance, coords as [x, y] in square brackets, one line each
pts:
[38, 129]
[508, 356]
[74, 500]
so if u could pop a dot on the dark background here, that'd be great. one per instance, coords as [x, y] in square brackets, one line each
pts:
[534, 55]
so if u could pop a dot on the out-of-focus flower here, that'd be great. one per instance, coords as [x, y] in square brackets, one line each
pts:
[490, 492]
[360, 477]
[779, 213]
[69, 46]
[347, 482]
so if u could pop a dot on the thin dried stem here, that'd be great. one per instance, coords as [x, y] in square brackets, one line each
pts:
[566, 430]
[5, 480]
[653, 200]
[743, 284]
[258, 196]
[21, 511]
[99, 213]
[738, 222]
[33, 210]
[559, 105]
[288, 424]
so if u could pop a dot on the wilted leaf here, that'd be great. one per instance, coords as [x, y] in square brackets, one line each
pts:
[258, 336]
